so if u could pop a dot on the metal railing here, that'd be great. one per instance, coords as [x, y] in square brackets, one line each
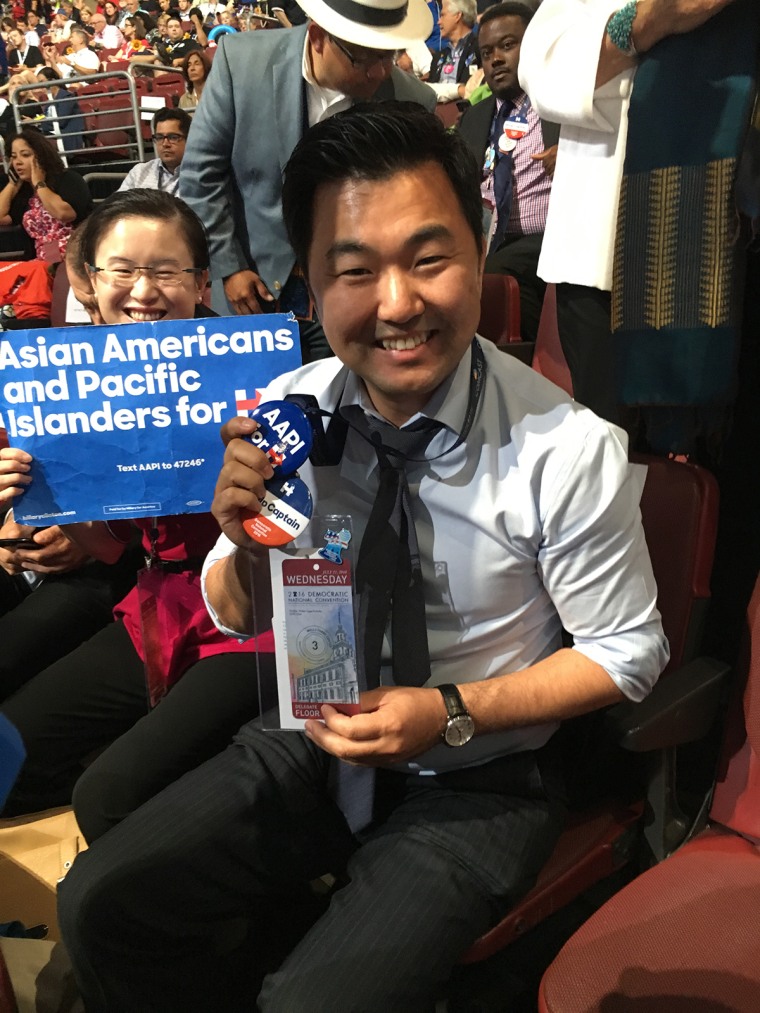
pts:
[109, 108]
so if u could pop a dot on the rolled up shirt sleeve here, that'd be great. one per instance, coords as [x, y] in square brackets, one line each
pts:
[595, 564]
[223, 548]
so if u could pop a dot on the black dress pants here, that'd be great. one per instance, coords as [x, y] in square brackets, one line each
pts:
[193, 900]
[518, 256]
[96, 696]
[583, 320]
[57, 616]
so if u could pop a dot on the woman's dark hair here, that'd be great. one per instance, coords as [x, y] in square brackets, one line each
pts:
[138, 24]
[48, 73]
[374, 141]
[47, 156]
[204, 60]
[145, 203]
[111, 19]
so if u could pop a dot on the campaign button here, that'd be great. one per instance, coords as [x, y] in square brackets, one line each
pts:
[285, 512]
[284, 434]
[507, 144]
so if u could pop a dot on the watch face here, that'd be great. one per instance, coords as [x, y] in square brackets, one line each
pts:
[459, 730]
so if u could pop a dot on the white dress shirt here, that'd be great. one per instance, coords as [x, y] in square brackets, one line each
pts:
[153, 175]
[531, 525]
[321, 103]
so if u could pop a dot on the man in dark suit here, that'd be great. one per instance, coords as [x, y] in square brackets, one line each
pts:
[517, 151]
[264, 89]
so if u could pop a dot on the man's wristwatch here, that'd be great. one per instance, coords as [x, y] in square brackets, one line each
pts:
[460, 727]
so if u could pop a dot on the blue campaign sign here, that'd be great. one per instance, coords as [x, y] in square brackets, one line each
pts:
[123, 421]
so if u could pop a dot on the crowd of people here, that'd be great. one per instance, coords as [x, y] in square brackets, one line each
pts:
[308, 169]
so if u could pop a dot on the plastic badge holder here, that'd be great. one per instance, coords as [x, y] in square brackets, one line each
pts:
[316, 658]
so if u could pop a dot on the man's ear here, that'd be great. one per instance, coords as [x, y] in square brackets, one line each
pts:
[317, 37]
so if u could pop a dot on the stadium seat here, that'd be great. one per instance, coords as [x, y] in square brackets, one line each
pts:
[448, 113]
[170, 85]
[548, 357]
[500, 316]
[112, 117]
[679, 511]
[683, 936]
[58, 302]
[500, 309]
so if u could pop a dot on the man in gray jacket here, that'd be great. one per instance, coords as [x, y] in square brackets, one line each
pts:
[264, 90]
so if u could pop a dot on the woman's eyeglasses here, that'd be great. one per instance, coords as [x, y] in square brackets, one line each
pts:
[125, 277]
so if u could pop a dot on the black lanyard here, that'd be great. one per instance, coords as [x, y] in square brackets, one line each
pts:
[329, 443]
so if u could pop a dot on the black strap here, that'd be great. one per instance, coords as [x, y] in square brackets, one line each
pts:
[327, 449]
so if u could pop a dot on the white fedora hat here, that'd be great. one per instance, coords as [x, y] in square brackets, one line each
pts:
[376, 24]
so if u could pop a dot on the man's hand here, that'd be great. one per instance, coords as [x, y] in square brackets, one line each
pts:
[56, 553]
[240, 485]
[396, 724]
[14, 475]
[548, 158]
[246, 292]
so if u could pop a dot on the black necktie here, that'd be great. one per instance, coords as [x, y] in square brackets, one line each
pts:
[502, 176]
[388, 571]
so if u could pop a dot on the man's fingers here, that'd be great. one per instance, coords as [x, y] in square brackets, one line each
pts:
[237, 427]
[262, 291]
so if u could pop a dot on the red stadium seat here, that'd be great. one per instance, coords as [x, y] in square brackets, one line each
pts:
[548, 358]
[500, 315]
[170, 85]
[684, 936]
[679, 512]
[448, 113]
[500, 309]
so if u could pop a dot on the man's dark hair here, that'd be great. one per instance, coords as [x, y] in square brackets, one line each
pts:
[507, 9]
[143, 202]
[179, 115]
[374, 141]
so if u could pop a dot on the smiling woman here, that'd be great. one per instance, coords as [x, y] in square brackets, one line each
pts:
[147, 256]
[146, 253]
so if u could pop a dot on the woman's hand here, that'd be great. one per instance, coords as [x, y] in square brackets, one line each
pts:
[56, 552]
[38, 176]
[15, 466]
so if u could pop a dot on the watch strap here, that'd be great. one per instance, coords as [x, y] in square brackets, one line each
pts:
[453, 699]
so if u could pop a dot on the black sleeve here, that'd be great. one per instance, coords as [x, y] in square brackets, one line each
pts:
[20, 203]
[72, 188]
[293, 12]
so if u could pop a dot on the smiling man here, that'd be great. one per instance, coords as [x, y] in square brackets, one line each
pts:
[517, 152]
[512, 513]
